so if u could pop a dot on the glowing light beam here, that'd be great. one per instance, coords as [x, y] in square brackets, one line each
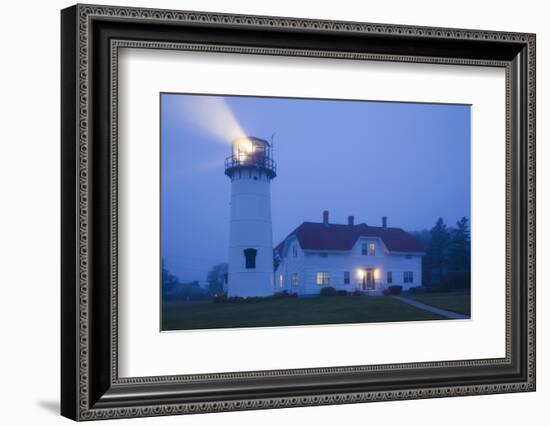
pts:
[211, 116]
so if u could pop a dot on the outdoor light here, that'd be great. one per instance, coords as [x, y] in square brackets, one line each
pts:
[360, 273]
[377, 273]
[246, 145]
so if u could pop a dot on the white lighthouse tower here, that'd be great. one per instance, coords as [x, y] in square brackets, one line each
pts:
[251, 169]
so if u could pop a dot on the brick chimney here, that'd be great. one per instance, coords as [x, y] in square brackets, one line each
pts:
[350, 220]
[384, 221]
[325, 217]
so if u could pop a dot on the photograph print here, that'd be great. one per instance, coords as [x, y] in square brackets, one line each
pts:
[299, 212]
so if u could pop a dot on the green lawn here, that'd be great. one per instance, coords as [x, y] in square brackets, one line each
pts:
[292, 311]
[456, 301]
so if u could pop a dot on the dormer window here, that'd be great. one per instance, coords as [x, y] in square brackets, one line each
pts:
[250, 258]
[368, 249]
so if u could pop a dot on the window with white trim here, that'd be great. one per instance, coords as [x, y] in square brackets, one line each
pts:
[323, 278]
[407, 277]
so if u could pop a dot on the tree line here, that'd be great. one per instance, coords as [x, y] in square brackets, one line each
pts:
[446, 264]
[173, 288]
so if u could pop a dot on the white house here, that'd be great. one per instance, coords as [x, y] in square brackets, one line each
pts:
[347, 257]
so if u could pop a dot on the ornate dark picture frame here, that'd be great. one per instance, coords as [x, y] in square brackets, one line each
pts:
[90, 386]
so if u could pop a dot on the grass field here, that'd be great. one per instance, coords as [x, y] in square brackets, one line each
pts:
[181, 315]
[453, 301]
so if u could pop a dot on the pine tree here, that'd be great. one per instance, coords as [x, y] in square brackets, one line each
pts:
[459, 255]
[169, 281]
[436, 253]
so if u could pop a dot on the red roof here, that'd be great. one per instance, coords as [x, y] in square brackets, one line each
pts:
[318, 236]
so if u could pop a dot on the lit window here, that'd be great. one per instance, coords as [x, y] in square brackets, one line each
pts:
[281, 280]
[364, 249]
[294, 279]
[250, 258]
[390, 277]
[323, 278]
[372, 249]
[407, 277]
[346, 277]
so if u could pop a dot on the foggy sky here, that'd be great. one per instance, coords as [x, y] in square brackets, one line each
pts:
[410, 162]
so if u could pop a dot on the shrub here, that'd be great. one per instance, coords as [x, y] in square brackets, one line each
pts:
[357, 292]
[418, 290]
[235, 299]
[395, 289]
[341, 293]
[238, 299]
[386, 292]
[280, 295]
[328, 291]
[283, 295]
[252, 299]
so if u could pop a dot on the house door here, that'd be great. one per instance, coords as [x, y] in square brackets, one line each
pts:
[368, 280]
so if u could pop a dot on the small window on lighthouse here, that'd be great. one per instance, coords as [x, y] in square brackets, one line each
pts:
[250, 258]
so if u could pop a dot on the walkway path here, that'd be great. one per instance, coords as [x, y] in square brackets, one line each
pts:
[432, 309]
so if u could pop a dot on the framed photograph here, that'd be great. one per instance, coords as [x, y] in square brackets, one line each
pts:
[263, 212]
[221, 268]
